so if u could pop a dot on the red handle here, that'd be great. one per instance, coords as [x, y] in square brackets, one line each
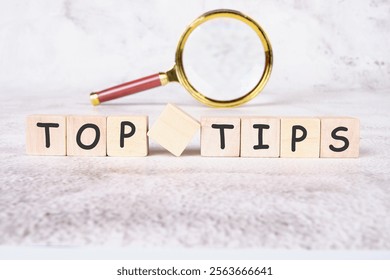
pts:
[126, 89]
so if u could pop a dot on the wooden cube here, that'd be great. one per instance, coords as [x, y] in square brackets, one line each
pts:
[126, 136]
[220, 136]
[300, 137]
[340, 137]
[174, 129]
[86, 135]
[46, 135]
[260, 136]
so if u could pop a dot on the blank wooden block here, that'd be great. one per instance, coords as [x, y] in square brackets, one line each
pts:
[260, 136]
[220, 136]
[173, 129]
[46, 135]
[300, 137]
[340, 137]
[86, 136]
[126, 136]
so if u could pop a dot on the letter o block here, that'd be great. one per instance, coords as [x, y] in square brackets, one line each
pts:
[86, 136]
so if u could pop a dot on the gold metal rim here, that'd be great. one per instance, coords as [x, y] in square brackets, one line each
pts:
[178, 73]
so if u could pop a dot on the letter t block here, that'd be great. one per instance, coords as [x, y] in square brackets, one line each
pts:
[46, 135]
[220, 136]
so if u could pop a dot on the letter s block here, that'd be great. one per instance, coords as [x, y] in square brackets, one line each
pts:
[126, 136]
[340, 137]
[46, 135]
[300, 137]
[86, 136]
[220, 136]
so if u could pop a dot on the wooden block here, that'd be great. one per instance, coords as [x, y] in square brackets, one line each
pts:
[173, 129]
[46, 135]
[260, 136]
[340, 137]
[220, 136]
[86, 136]
[126, 136]
[300, 137]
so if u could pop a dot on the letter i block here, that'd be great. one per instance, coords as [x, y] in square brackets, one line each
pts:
[86, 135]
[300, 137]
[340, 137]
[126, 136]
[46, 135]
[260, 137]
[174, 129]
[220, 136]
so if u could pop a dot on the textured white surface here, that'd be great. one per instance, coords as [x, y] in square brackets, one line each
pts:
[52, 53]
[162, 200]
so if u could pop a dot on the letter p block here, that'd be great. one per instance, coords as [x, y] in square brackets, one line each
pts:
[300, 137]
[126, 136]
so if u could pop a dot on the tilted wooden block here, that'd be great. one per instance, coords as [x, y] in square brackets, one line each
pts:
[126, 136]
[46, 135]
[260, 136]
[86, 136]
[340, 137]
[300, 137]
[220, 136]
[173, 129]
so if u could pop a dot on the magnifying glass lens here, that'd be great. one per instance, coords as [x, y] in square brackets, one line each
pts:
[223, 58]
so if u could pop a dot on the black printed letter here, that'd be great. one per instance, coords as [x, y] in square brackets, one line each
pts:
[47, 131]
[260, 136]
[126, 135]
[294, 138]
[342, 138]
[222, 128]
[94, 143]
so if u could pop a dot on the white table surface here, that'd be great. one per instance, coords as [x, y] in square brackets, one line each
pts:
[195, 201]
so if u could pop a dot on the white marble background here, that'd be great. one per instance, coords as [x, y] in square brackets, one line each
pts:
[89, 45]
[331, 58]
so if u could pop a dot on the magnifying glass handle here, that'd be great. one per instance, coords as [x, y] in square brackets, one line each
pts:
[128, 88]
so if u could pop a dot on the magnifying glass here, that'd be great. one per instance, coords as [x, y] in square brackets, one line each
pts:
[224, 52]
